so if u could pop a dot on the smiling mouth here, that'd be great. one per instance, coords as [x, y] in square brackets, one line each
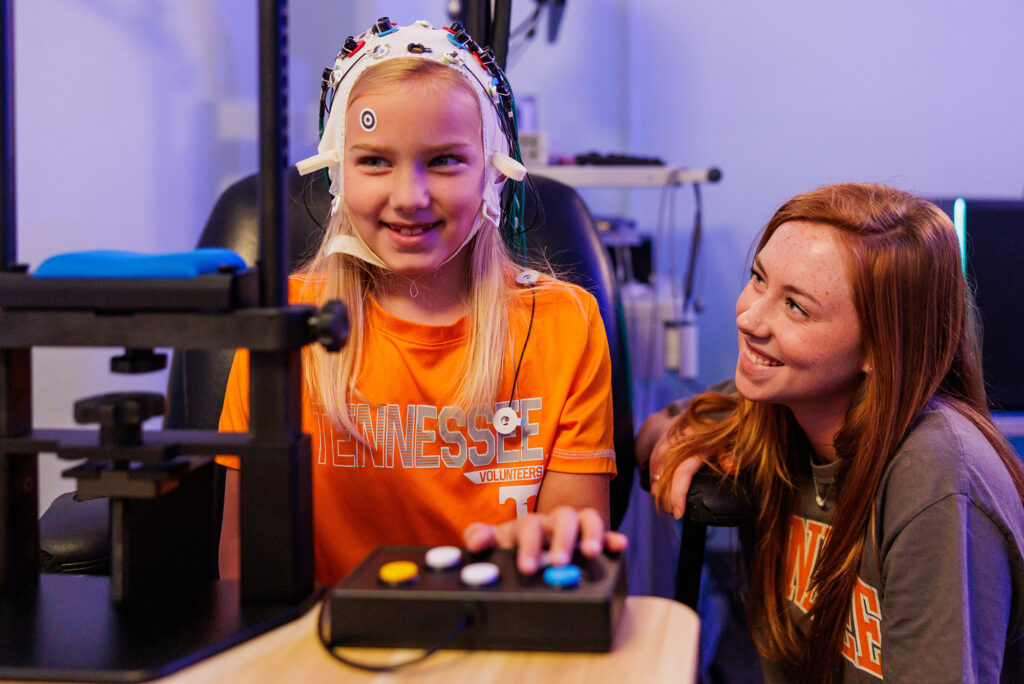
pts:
[759, 360]
[412, 230]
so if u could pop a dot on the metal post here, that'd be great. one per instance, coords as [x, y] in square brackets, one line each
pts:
[476, 19]
[275, 508]
[273, 86]
[500, 31]
[8, 234]
[19, 531]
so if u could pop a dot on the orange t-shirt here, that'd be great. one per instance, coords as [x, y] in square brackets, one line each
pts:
[423, 474]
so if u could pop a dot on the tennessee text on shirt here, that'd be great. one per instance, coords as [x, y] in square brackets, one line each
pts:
[863, 643]
[430, 436]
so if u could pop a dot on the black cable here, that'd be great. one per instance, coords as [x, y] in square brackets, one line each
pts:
[327, 103]
[691, 267]
[513, 198]
[529, 329]
[307, 197]
[674, 290]
[448, 638]
[539, 215]
[654, 320]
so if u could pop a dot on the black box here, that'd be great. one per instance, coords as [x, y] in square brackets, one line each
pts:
[517, 613]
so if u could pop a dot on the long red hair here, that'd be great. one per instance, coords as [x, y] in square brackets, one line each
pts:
[918, 325]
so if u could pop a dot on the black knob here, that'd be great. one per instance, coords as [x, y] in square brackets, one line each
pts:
[330, 326]
[120, 415]
[138, 361]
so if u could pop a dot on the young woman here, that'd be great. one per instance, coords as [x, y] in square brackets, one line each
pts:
[473, 397]
[889, 538]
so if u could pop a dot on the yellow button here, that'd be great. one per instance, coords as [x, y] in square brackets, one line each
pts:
[398, 572]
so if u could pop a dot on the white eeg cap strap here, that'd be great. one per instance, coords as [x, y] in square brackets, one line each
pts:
[419, 41]
[354, 245]
[317, 162]
[508, 166]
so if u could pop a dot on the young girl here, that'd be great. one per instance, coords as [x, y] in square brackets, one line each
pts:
[470, 391]
[889, 539]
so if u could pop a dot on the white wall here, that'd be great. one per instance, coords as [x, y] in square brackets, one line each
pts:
[786, 96]
[133, 116]
[119, 145]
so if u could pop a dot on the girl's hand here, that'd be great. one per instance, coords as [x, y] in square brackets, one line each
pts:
[561, 531]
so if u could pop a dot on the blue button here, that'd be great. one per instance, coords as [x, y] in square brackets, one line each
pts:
[562, 577]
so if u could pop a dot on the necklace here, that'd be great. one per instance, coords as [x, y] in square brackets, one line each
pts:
[819, 498]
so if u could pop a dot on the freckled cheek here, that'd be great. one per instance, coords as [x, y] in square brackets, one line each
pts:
[797, 350]
[834, 354]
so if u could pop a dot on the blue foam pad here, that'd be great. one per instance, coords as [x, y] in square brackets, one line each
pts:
[120, 264]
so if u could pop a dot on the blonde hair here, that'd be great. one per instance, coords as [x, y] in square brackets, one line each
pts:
[332, 377]
[919, 332]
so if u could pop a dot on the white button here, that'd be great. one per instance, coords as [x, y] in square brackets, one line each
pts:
[505, 421]
[443, 557]
[480, 574]
[527, 277]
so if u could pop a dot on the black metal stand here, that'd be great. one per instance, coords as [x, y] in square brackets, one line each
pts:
[162, 608]
[488, 22]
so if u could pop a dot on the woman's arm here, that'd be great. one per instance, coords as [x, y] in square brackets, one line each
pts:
[650, 434]
[651, 443]
[947, 593]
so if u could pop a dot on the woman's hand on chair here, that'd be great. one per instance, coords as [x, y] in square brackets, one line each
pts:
[676, 479]
[678, 483]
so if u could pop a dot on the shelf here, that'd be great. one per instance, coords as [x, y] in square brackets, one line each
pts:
[598, 176]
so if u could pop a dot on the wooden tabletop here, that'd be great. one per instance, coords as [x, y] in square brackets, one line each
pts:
[656, 641]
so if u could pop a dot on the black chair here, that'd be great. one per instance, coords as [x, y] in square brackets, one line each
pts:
[712, 501]
[73, 534]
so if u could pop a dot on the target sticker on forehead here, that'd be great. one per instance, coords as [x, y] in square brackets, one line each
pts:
[368, 119]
